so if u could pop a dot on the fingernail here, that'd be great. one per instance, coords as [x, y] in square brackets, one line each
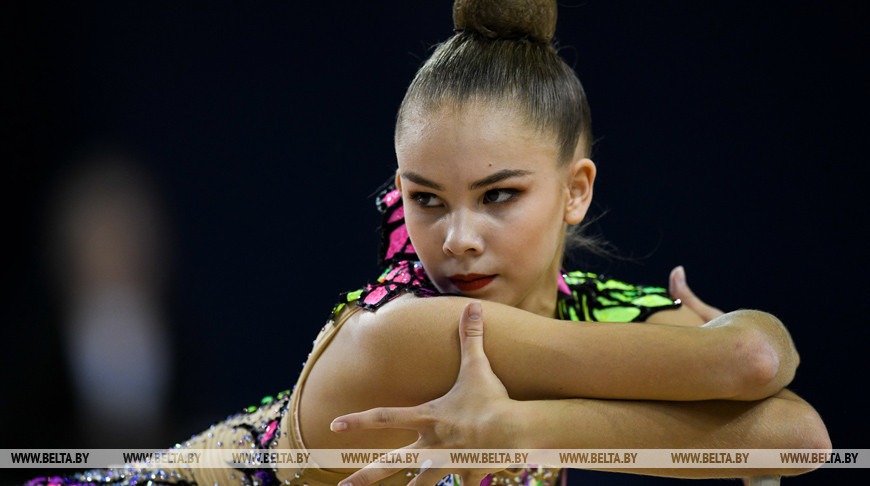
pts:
[426, 464]
[681, 277]
[338, 426]
[474, 311]
[346, 483]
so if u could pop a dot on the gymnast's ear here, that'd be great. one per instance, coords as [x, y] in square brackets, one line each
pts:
[398, 181]
[581, 177]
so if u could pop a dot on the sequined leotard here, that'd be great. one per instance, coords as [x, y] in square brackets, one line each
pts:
[275, 422]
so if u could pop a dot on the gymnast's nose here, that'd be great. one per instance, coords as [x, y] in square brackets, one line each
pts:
[464, 234]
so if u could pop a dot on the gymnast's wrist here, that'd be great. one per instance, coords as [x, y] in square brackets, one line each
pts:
[522, 420]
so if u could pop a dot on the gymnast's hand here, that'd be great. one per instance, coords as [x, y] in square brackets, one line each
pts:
[472, 415]
[679, 289]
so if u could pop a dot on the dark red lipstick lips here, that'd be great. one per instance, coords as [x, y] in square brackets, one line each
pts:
[472, 281]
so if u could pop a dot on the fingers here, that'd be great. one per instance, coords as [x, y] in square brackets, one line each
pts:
[471, 331]
[371, 474]
[411, 418]
[431, 477]
[679, 289]
[475, 370]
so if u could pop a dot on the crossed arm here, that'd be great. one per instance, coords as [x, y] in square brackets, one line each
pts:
[649, 362]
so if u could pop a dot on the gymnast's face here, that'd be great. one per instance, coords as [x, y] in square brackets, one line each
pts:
[487, 204]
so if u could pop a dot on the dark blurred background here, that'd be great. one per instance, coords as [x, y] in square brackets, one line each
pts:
[190, 190]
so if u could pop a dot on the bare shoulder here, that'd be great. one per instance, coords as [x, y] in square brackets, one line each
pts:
[407, 316]
[682, 316]
[411, 340]
[391, 357]
[407, 350]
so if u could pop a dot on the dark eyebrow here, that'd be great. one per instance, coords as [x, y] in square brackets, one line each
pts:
[498, 177]
[486, 181]
[418, 179]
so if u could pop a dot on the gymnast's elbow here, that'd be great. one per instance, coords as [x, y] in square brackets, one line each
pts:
[763, 365]
[806, 431]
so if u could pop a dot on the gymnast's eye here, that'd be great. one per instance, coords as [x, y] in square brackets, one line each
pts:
[496, 196]
[427, 200]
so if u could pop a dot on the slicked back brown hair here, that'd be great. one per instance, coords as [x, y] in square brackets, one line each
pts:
[502, 53]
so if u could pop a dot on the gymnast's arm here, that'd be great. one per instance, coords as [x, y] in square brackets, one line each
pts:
[478, 413]
[406, 353]
[783, 421]
[743, 355]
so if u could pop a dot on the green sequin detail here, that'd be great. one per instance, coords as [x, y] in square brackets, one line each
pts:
[652, 300]
[596, 298]
[337, 309]
[573, 314]
[616, 284]
[616, 314]
[606, 301]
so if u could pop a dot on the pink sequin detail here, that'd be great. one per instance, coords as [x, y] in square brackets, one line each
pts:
[392, 274]
[392, 197]
[487, 480]
[563, 287]
[376, 295]
[410, 248]
[269, 433]
[397, 215]
[404, 276]
[397, 240]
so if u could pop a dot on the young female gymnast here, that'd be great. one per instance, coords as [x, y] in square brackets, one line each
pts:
[493, 143]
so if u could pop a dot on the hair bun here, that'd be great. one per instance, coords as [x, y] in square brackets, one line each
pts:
[507, 19]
